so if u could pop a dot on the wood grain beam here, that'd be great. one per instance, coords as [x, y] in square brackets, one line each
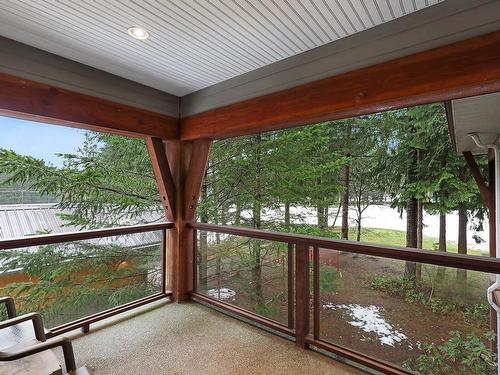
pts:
[466, 68]
[164, 179]
[187, 162]
[36, 101]
[194, 179]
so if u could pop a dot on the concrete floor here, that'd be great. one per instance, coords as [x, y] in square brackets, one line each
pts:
[167, 338]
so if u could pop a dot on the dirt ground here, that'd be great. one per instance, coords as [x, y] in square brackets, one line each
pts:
[354, 316]
[376, 323]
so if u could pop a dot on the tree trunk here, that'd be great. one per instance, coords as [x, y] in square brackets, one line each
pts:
[359, 212]
[462, 225]
[411, 219]
[320, 209]
[287, 214]
[337, 214]
[345, 203]
[442, 242]
[218, 261]
[411, 235]
[462, 238]
[320, 213]
[420, 226]
[420, 237]
[237, 214]
[442, 231]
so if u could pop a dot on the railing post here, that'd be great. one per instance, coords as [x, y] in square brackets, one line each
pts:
[302, 299]
[163, 260]
[196, 260]
[316, 293]
[290, 282]
[187, 162]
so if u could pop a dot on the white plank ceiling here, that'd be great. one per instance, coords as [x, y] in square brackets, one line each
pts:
[194, 43]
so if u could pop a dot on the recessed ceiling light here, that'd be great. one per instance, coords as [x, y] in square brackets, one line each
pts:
[138, 32]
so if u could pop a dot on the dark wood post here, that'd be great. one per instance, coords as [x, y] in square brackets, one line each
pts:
[290, 282]
[316, 293]
[302, 300]
[179, 168]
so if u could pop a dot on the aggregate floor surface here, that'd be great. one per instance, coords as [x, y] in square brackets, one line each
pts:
[191, 339]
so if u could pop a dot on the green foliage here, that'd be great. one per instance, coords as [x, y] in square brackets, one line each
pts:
[424, 294]
[440, 306]
[107, 182]
[423, 147]
[458, 355]
[403, 287]
[478, 313]
[3, 313]
[394, 285]
[328, 279]
[72, 280]
[271, 308]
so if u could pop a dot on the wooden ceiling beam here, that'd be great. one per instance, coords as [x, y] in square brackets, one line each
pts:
[466, 68]
[36, 101]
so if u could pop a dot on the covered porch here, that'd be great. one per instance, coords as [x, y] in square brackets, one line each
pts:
[182, 90]
[194, 339]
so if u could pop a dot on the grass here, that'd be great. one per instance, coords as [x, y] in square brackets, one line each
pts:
[394, 237]
[390, 237]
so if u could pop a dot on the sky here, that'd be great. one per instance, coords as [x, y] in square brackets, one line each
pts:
[39, 140]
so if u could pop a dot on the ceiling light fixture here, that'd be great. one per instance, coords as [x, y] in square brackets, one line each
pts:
[138, 32]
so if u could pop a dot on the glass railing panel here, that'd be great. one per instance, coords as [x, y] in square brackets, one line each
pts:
[69, 281]
[245, 272]
[427, 318]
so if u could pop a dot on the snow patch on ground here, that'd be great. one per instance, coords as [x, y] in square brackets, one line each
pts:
[222, 294]
[370, 320]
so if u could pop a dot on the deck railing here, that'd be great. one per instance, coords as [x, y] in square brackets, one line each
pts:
[300, 256]
[298, 263]
[119, 238]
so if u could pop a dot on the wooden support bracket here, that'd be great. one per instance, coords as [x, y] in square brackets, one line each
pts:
[179, 168]
[164, 179]
[484, 189]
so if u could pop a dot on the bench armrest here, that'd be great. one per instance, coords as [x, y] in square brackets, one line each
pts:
[9, 305]
[69, 357]
[34, 317]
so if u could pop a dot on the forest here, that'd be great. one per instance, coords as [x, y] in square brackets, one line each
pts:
[402, 159]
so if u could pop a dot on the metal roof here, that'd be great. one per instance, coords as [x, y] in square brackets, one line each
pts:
[21, 220]
[194, 44]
